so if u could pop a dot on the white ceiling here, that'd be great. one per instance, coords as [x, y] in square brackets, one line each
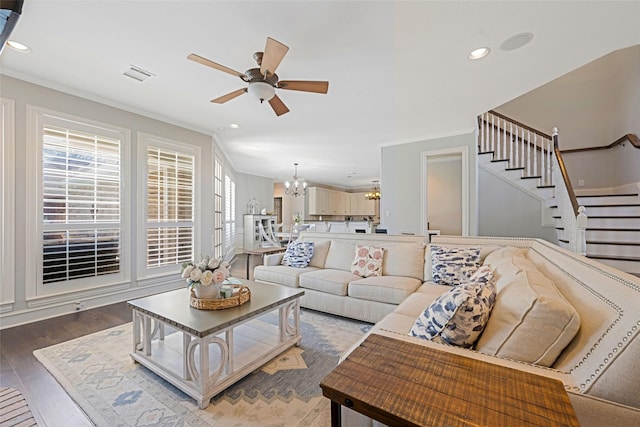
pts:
[398, 71]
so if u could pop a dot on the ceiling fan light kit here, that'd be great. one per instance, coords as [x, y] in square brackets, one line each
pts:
[261, 90]
[263, 81]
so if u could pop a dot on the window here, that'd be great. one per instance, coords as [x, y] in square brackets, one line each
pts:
[76, 203]
[170, 207]
[229, 213]
[217, 209]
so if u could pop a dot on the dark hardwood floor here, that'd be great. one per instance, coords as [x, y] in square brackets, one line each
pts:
[49, 403]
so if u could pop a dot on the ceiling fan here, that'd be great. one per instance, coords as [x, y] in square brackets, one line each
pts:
[263, 80]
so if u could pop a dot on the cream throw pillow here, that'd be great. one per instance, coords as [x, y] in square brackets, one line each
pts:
[531, 321]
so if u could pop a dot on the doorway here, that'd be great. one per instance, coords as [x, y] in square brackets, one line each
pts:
[445, 191]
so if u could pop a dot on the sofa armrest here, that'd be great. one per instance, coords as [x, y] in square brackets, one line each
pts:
[595, 412]
[273, 259]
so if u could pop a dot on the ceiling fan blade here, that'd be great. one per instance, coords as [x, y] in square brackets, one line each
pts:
[228, 97]
[305, 86]
[208, 63]
[278, 106]
[274, 51]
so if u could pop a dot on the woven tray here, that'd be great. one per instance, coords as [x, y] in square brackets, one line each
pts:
[242, 296]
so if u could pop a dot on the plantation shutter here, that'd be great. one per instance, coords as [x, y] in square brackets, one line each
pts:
[80, 204]
[170, 207]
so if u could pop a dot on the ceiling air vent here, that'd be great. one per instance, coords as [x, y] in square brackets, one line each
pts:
[138, 73]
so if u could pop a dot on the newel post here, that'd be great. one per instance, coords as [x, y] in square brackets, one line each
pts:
[581, 234]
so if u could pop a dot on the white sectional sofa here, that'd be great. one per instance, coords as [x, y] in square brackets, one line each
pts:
[556, 313]
[332, 288]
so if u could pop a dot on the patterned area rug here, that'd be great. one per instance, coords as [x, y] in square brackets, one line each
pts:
[97, 372]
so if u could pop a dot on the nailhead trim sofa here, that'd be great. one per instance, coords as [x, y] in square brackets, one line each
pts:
[600, 367]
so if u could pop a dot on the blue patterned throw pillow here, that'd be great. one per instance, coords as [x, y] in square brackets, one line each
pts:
[459, 316]
[298, 254]
[453, 266]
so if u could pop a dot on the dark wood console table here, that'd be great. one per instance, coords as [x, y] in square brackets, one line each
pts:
[401, 383]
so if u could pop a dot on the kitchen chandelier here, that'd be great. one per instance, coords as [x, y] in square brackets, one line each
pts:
[298, 187]
[374, 194]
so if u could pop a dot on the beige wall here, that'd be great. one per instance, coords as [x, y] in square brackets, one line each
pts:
[592, 106]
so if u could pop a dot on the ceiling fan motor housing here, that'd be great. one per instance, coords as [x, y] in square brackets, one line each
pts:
[254, 75]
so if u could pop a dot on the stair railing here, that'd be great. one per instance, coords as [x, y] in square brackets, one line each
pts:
[538, 156]
[525, 148]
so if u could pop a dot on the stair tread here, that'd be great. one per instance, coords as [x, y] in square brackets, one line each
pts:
[499, 160]
[613, 217]
[515, 169]
[531, 177]
[605, 242]
[546, 186]
[621, 205]
[615, 257]
[609, 195]
[613, 229]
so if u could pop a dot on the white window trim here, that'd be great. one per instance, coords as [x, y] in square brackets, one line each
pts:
[34, 289]
[144, 140]
[7, 203]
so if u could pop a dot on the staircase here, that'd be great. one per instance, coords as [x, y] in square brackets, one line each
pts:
[529, 160]
[613, 229]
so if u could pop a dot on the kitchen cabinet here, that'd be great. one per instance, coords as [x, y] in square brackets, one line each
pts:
[361, 206]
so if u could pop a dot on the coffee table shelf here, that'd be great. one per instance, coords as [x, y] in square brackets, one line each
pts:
[179, 342]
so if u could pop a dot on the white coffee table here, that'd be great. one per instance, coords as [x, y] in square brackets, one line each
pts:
[202, 352]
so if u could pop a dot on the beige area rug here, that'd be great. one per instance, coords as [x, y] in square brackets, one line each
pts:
[97, 372]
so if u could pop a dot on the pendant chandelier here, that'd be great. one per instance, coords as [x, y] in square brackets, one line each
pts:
[298, 187]
[374, 194]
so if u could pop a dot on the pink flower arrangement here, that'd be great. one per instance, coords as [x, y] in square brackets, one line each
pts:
[206, 272]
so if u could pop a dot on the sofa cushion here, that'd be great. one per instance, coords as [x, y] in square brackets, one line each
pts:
[453, 266]
[417, 301]
[458, 316]
[280, 274]
[320, 251]
[531, 321]
[500, 254]
[340, 255]
[406, 259]
[328, 280]
[298, 254]
[389, 289]
[367, 261]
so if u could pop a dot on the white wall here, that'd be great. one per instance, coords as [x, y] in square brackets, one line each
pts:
[24, 93]
[401, 178]
[506, 211]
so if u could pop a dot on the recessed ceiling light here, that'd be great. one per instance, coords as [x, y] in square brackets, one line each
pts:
[18, 46]
[234, 126]
[481, 52]
[517, 41]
